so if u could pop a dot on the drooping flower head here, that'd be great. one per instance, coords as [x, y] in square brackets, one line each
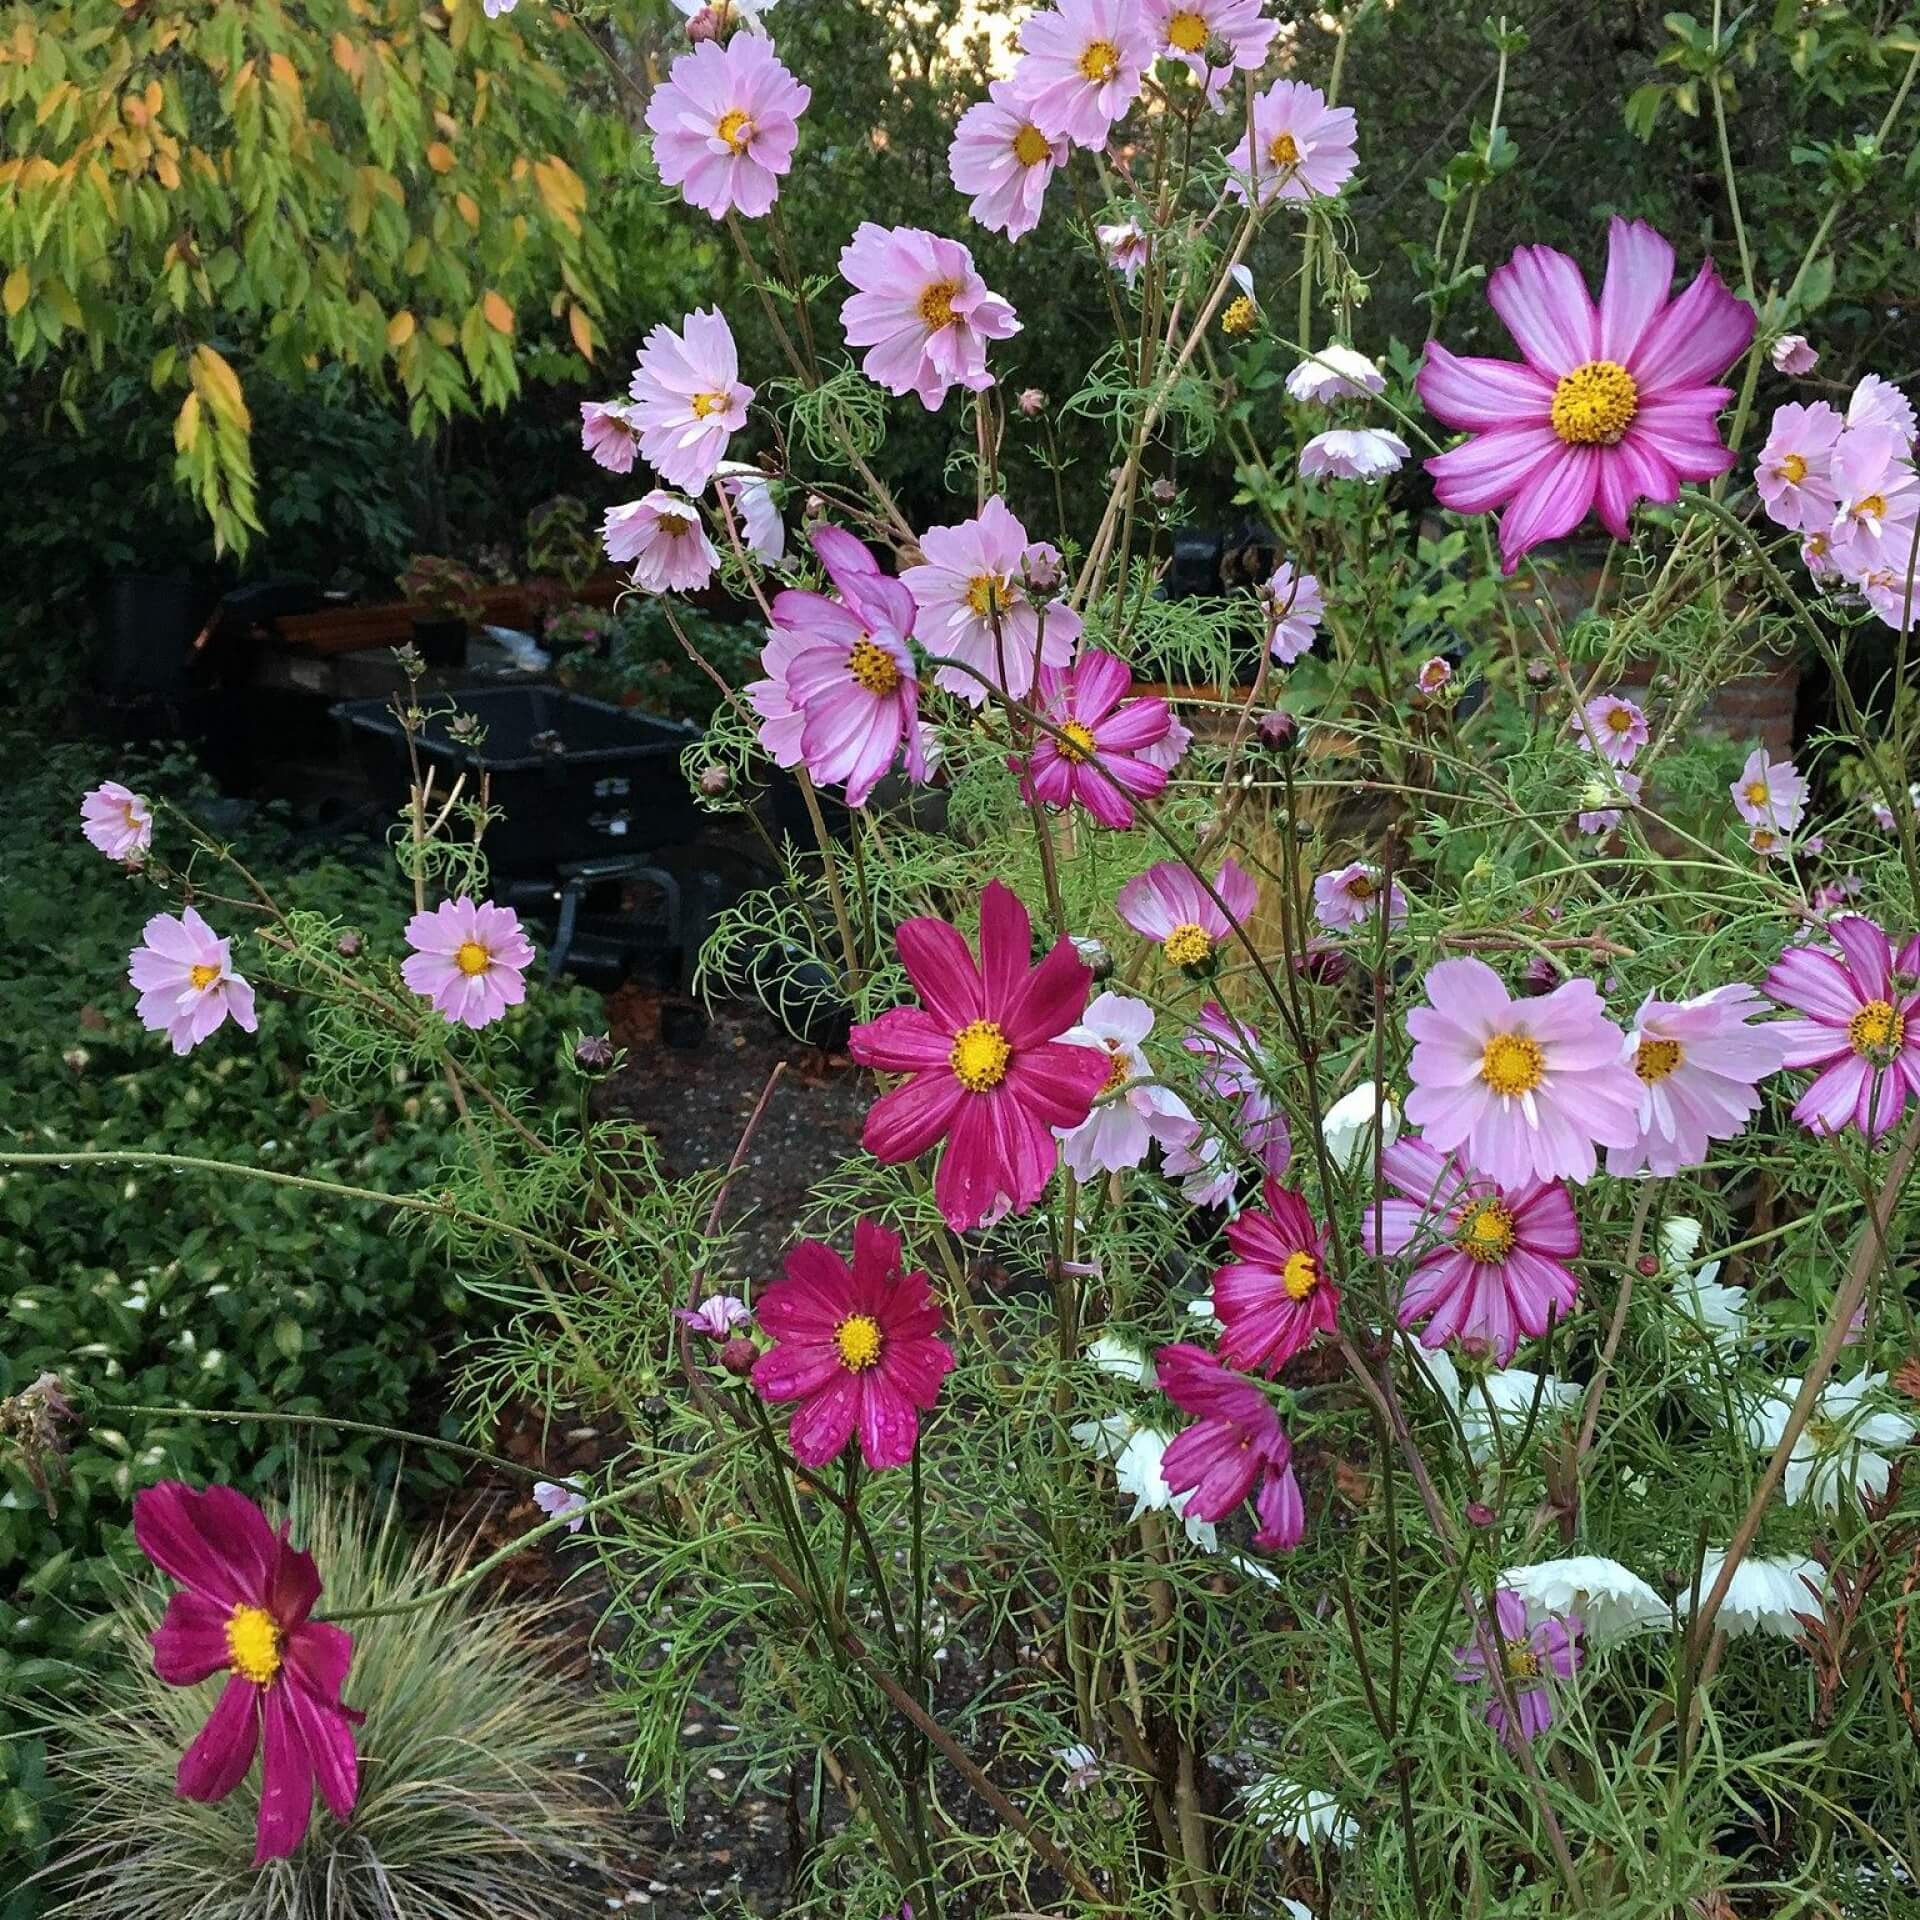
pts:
[1533, 1655]
[609, 434]
[244, 1610]
[470, 961]
[1842, 1453]
[749, 492]
[725, 124]
[661, 537]
[185, 977]
[1770, 792]
[1334, 372]
[1300, 147]
[921, 311]
[1212, 39]
[1353, 453]
[989, 1071]
[1293, 604]
[1236, 1442]
[688, 398]
[1276, 1294]
[118, 821]
[1098, 758]
[1794, 474]
[561, 1502]
[1004, 161]
[1791, 355]
[1611, 404]
[1612, 727]
[1133, 1110]
[1764, 1596]
[1125, 247]
[1350, 896]
[1875, 402]
[1080, 66]
[1604, 803]
[1167, 903]
[717, 1316]
[1610, 1600]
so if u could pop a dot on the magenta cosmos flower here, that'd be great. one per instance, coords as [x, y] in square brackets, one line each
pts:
[1000, 157]
[1277, 1295]
[1490, 1261]
[1237, 1441]
[1532, 1656]
[1293, 604]
[921, 311]
[661, 537]
[1613, 728]
[118, 821]
[469, 960]
[1794, 474]
[725, 125]
[1099, 756]
[1212, 39]
[186, 981]
[1081, 64]
[1770, 793]
[1524, 1087]
[840, 692]
[1300, 148]
[609, 434]
[988, 1071]
[1351, 895]
[982, 596]
[1861, 1026]
[244, 1611]
[688, 398]
[1610, 406]
[858, 1347]
[1167, 903]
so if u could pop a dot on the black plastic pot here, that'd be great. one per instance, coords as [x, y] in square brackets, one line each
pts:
[148, 624]
[442, 641]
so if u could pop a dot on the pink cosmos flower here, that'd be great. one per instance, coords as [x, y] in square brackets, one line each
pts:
[243, 1610]
[1098, 758]
[118, 821]
[1080, 67]
[1791, 355]
[725, 125]
[1795, 470]
[1300, 149]
[921, 310]
[1003, 159]
[1352, 894]
[1606, 801]
[1879, 403]
[1277, 1294]
[841, 693]
[561, 1503]
[187, 984]
[688, 398]
[858, 1347]
[1611, 404]
[1699, 1065]
[1862, 1026]
[1434, 675]
[1877, 497]
[609, 434]
[1533, 1656]
[1770, 793]
[1201, 1166]
[1237, 1441]
[750, 494]
[1125, 247]
[1237, 1073]
[469, 960]
[1171, 748]
[989, 1071]
[1526, 1087]
[1613, 728]
[1334, 372]
[1768, 842]
[717, 1316]
[1490, 1261]
[981, 601]
[1212, 39]
[1132, 1111]
[1167, 903]
[1293, 604]
[660, 535]
[1353, 453]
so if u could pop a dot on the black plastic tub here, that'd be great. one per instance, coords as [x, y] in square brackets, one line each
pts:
[577, 779]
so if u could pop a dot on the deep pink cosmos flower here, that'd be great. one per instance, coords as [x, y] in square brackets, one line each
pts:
[660, 535]
[244, 1611]
[1237, 1441]
[1004, 161]
[859, 1347]
[1099, 756]
[921, 311]
[1353, 894]
[1353, 453]
[1300, 149]
[1212, 39]
[725, 125]
[1611, 727]
[989, 1073]
[1611, 405]
[1532, 1656]
[1524, 1087]
[984, 597]
[469, 960]
[688, 398]
[1490, 1262]
[1293, 604]
[187, 984]
[609, 434]
[1862, 1026]
[1794, 474]
[1168, 904]
[118, 821]
[1081, 64]
[1770, 793]
[1277, 1295]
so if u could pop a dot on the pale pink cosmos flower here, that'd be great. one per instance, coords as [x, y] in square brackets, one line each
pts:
[1081, 64]
[1236, 1444]
[1879, 403]
[1167, 903]
[1125, 247]
[921, 311]
[609, 434]
[1300, 148]
[660, 535]
[980, 601]
[1794, 474]
[1434, 675]
[1205, 1173]
[1816, 555]
[1524, 1088]
[1131, 1111]
[717, 1316]
[1791, 355]
[725, 124]
[1293, 604]
[1611, 404]
[560, 1502]
[1353, 453]
[118, 821]
[1212, 39]
[1612, 727]
[1699, 1064]
[1769, 842]
[1353, 894]
[1237, 1072]
[1334, 372]
[469, 960]
[1894, 592]
[750, 494]
[1098, 758]
[1004, 161]
[688, 398]
[187, 985]
[1532, 1656]
[1606, 801]
[1770, 793]
[1877, 495]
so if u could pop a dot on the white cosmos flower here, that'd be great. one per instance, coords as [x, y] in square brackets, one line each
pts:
[1106, 1437]
[1122, 1359]
[1347, 1126]
[1353, 453]
[751, 493]
[1304, 1815]
[1764, 1595]
[1298, 1909]
[1835, 1451]
[1716, 1313]
[1334, 372]
[1511, 1391]
[1612, 1601]
[1117, 1133]
[1137, 1472]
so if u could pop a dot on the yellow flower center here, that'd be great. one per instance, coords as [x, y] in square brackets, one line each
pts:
[472, 957]
[859, 1341]
[1512, 1064]
[1619, 720]
[1873, 507]
[1031, 146]
[1878, 1031]
[1487, 1231]
[936, 304]
[706, 403]
[1763, 840]
[1283, 150]
[1653, 1060]
[1300, 1275]
[1100, 62]
[203, 976]
[1119, 1073]
[1793, 469]
[1360, 887]
[987, 594]
[1240, 315]
[873, 667]
[736, 129]
[1075, 742]
[1187, 31]
[979, 1057]
[1595, 404]
[1757, 794]
[673, 525]
[1521, 1662]
[1817, 544]
[253, 1645]
[1187, 945]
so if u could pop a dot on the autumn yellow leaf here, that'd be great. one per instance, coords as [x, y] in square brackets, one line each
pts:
[219, 383]
[499, 314]
[13, 296]
[468, 211]
[400, 329]
[347, 57]
[155, 98]
[440, 157]
[186, 424]
[582, 330]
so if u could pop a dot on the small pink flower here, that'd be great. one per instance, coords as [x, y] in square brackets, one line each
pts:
[1132, 1111]
[922, 312]
[1081, 65]
[1293, 604]
[1212, 39]
[469, 961]
[118, 821]
[1532, 1657]
[561, 1503]
[1769, 843]
[1770, 793]
[1098, 757]
[1434, 675]
[1004, 161]
[1794, 474]
[1167, 903]
[660, 535]
[1613, 728]
[1352, 894]
[1606, 801]
[716, 1316]
[1791, 355]
[609, 434]
[187, 984]
[1238, 1441]
[1300, 149]
[1277, 1293]
[1879, 403]
[858, 1347]
[1878, 498]
[1125, 247]
[725, 124]
[688, 398]
[1353, 453]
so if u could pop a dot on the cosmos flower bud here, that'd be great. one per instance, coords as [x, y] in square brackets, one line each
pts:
[1540, 975]
[1278, 730]
[593, 1052]
[714, 780]
[1164, 492]
[1479, 1514]
[738, 1355]
[348, 946]
[1032, 401]
[1094, 955]
[704, 25]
